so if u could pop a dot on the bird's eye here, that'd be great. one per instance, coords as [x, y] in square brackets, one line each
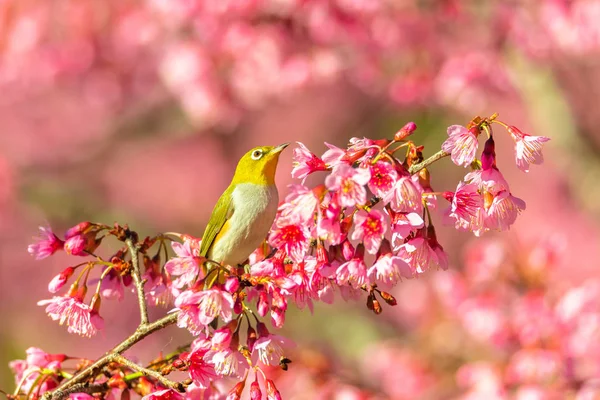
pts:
[257, 154]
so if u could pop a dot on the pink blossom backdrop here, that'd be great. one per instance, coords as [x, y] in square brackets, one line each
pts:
[137, 112]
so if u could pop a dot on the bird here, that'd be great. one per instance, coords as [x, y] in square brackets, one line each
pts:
[246, 210]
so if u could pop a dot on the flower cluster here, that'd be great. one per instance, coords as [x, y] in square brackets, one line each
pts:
[363, 230]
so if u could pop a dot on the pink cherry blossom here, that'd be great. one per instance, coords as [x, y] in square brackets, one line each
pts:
[27, 372]
[328, 220]
[369, 228]
[299, 206]
[503, 211]
[403, 224]
[383, 180]
[465, 203]
[201, 372]
[294, 239]
[461, 144]
[47, 244]
[407, 197]
[269, 348]
[199, 309]
[353, 271]
[388, 269]
[186, 266]
[528, 149]
[79, 317]
[349, 183]
[305, 163]
[417, 253]
[333, 156]
[227, 362]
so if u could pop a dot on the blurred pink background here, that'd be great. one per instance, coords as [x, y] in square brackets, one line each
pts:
[137, 111]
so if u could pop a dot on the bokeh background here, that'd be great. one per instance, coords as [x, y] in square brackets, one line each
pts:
[136, 111]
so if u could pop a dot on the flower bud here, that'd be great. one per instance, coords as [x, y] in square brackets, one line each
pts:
[277, 317]
[78, 229]
[236, 392]
[76, 245]
[347, 250]
[238, 306]
[263, 304]
[322, 255]
[388, 298]
[488, 156]
[232, 284]
[251, 335]
[222, 337]
[405, 131]
[279, 300]
[272, 392]
[255, 393]
[59, 280]
[262, 330]
[377, 306]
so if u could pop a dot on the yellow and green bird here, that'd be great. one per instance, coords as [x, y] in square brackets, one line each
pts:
[245, 211]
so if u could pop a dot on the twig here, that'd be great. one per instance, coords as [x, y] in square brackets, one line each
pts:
[139, 283]
[144, 330]
[148, 372]
[417, 167]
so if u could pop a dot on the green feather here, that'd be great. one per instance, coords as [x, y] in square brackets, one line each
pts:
[220, 214]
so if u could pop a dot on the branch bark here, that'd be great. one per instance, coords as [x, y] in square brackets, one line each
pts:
[79, 380]
[178, 386]
[137, 279]
[417, 167]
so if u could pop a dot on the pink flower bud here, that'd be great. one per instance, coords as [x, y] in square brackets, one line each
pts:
[263, 304]
[277, 317]
[236, 392]
[238, 306]
[59, 280]
[255, 393]
[232, 284]
[221, 338]
[76, 245]
[347, 250]
[488, 157]
[279, 300]
[405, 131]
[78, 229]
[262, 330]
[272, 392]
[251, 335]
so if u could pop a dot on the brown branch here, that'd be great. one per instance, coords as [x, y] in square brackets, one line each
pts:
[139, 283]
[178, 386]
[417, 167]
[80, 379]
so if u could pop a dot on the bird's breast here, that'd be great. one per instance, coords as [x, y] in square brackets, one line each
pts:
[254, 209]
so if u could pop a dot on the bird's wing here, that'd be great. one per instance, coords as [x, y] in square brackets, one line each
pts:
[221, 213]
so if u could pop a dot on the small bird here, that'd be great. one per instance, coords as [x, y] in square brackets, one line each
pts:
[246, 210]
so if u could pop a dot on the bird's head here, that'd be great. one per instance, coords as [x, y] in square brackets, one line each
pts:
[258, 165]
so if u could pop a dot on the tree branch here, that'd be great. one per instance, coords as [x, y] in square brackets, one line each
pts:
[417, 167]
[143, 330]
[178, 386]
[139, 283]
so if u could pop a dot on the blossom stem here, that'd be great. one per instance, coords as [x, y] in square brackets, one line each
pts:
[78, 381]
[178, 386]
[417, 167]
[139, 283]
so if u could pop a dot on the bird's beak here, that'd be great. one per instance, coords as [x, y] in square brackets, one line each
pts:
[280, 148]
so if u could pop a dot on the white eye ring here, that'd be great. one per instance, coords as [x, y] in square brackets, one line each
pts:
[257, 154]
